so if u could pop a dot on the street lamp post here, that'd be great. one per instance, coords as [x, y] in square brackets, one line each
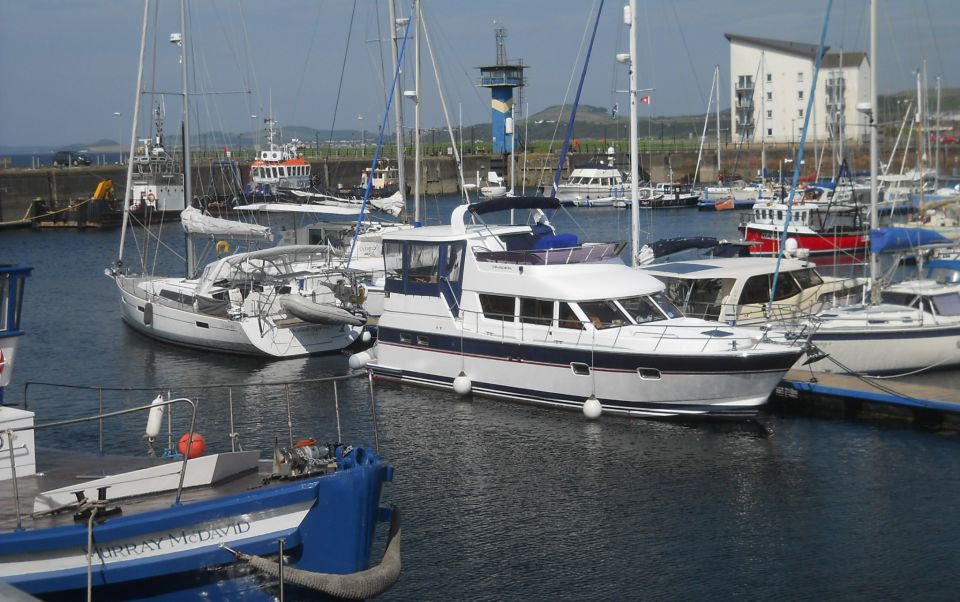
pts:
[363, 134]
[119, 116]
[256, 133]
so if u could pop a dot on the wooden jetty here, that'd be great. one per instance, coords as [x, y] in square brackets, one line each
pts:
[851, 396]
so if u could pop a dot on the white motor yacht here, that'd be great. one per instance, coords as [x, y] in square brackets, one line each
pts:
[522, 313]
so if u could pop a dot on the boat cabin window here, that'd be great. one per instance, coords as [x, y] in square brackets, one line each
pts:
[424, 268]
[568, 318]
[497, 307]
[904, 299]
[644, 309]
[604, 314]
[700, 298]
[756, 291]
[946, 305]
[808, 278]
[536, 311]
[424, 262]
[945, 275]
[393, 259]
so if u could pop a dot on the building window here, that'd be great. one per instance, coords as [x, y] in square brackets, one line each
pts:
[769, 114]
[800, 113]
[769, 131]
[769, 77]
[799, 94]
[769, 95]
[800, 76]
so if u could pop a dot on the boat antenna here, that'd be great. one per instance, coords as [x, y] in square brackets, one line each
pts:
[821, 50]
[376, 155]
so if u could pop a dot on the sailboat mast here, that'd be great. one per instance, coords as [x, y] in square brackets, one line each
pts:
[921, 147]
[187, 183]
[416, 118]
[936, 153]
[763, 113]
[133, 133]
[397, 105]
[716, 79]
[629, 17]
[874, 124]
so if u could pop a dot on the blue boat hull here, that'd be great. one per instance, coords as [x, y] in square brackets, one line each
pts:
[327, 522]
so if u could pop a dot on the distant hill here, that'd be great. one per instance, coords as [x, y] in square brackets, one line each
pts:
[598, 123]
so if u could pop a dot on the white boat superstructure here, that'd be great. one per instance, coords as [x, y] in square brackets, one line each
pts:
[736, 290]
[522, 313]
[597, 184]
[156, 183]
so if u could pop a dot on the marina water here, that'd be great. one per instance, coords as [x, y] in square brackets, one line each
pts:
[503, 501]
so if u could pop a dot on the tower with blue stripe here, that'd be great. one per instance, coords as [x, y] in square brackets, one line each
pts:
[501, 78]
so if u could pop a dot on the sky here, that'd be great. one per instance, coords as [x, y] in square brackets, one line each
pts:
[67, 66]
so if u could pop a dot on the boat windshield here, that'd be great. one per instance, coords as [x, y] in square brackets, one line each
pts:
[946, 305]
[629, 310]
[604, 314]
[649, 308]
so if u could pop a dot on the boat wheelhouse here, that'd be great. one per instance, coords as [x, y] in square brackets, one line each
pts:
[522, 313]
[278, 167]
[156, 182]
[821, 230]
[674, 194]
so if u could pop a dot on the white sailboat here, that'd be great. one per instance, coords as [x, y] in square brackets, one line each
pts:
[280, 302]
[906, 327]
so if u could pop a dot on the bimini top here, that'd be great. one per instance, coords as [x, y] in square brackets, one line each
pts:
[268, 265]
[520, 202]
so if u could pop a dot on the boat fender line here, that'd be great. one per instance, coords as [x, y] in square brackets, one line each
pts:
[353, 586]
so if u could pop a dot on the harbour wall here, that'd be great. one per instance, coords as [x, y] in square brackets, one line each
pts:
[20, 187]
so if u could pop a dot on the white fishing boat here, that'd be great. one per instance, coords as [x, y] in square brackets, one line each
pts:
[521, 313]
[156, 186]
[279, 168]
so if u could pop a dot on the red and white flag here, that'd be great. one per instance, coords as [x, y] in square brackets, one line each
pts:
[645, 100]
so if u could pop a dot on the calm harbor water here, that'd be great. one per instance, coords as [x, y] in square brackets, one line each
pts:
[507, 502]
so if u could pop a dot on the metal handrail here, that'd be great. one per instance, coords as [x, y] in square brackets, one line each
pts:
[99, 416]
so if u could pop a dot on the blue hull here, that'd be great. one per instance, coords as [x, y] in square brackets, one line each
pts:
[327, 522]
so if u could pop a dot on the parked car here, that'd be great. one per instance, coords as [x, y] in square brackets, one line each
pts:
[69, 159]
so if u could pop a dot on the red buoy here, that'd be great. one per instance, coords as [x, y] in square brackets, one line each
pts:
[197, 447]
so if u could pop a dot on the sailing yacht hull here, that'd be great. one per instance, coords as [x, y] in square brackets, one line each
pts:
[884, 340]
[176, 323]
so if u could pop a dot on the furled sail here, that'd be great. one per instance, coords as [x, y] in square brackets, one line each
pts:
[195, 222]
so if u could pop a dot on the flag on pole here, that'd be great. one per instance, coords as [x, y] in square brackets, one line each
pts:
[645, 100]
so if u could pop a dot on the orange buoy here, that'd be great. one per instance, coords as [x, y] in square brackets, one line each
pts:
[197, 447]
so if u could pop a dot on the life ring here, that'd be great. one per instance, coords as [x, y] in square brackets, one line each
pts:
[222, 247]
[151, 198]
